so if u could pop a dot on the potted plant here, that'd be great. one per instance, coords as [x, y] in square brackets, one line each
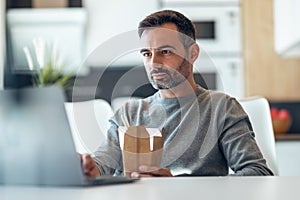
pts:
[47, 65]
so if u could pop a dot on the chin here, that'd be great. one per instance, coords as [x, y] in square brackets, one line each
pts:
[159, 86]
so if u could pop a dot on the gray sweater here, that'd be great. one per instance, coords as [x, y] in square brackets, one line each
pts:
[205, 133]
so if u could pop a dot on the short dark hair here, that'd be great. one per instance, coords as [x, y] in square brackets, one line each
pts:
[183, 24]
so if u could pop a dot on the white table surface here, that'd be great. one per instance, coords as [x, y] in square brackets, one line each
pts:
[220, 188]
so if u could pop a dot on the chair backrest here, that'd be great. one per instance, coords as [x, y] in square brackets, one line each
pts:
[89, 123]
[258, 110]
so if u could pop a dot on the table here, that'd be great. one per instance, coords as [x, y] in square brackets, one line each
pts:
[221, 188]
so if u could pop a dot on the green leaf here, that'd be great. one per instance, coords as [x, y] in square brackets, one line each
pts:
[52, 73]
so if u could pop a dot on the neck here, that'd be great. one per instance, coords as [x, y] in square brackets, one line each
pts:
[182, 90]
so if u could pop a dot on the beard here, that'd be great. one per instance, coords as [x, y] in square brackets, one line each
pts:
[172, 78]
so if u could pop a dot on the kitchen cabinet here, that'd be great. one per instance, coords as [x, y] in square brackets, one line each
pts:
[64, 28]
[286, 29]
[111, 32]
[266, 73]
[187, 2]
[287, 152]
[42, 3]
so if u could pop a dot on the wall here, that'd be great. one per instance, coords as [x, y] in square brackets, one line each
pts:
[266, 73]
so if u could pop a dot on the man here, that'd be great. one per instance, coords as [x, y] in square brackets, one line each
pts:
[205, 132]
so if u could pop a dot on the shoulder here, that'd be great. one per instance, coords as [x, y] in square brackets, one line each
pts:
[139, 103]
[136, 106]
[220, 101]
[214, 96]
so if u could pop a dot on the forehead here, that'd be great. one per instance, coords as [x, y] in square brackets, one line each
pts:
[166, 34]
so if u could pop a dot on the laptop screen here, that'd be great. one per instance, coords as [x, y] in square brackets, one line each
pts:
[36, 144]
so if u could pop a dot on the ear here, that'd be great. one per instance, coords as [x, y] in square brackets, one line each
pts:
[194, 51]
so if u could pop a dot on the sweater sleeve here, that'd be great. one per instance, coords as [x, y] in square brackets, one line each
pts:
[237, 141]
[108, 155]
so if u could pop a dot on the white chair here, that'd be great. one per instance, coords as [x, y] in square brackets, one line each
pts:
[258, 110]
[89, 123]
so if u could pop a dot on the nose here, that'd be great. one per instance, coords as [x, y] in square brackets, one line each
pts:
[155, 59]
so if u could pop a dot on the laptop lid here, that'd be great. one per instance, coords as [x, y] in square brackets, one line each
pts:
[36, 144]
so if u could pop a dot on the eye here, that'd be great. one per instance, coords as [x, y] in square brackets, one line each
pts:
[146, 54]
[166, 52]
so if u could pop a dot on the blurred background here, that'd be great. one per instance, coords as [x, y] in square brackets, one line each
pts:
[249, 48]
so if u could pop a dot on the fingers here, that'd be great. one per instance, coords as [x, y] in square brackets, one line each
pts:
[155, 171]
[150, 171]
[140, 175]
[89, 166]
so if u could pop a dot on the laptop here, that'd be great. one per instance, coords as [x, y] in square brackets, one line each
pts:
[36, 144]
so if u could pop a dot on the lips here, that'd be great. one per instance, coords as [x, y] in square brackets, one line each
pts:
[159, 75]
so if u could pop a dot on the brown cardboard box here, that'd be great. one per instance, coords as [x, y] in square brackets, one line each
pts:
[140, 146]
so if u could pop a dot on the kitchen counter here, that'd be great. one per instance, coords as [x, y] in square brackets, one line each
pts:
[288, 137]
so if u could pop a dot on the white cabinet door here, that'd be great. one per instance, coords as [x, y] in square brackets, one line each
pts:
[230, 76]
[287, 30]
[288, 157]
[62, 27]
[228, 71]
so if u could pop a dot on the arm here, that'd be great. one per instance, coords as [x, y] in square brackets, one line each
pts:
[238, 143]
[108, 156]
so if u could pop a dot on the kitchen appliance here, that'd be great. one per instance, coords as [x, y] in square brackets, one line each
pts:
[227, 71]
[218, 33]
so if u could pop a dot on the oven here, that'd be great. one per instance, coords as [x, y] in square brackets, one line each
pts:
[215, 27]
[221, 73]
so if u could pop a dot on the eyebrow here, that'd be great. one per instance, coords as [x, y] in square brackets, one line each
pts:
[159, 48]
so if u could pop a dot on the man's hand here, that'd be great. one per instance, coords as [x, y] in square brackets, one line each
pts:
[89, 166]
[149, 171]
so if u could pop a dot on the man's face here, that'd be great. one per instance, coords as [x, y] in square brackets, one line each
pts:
[164, 57]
